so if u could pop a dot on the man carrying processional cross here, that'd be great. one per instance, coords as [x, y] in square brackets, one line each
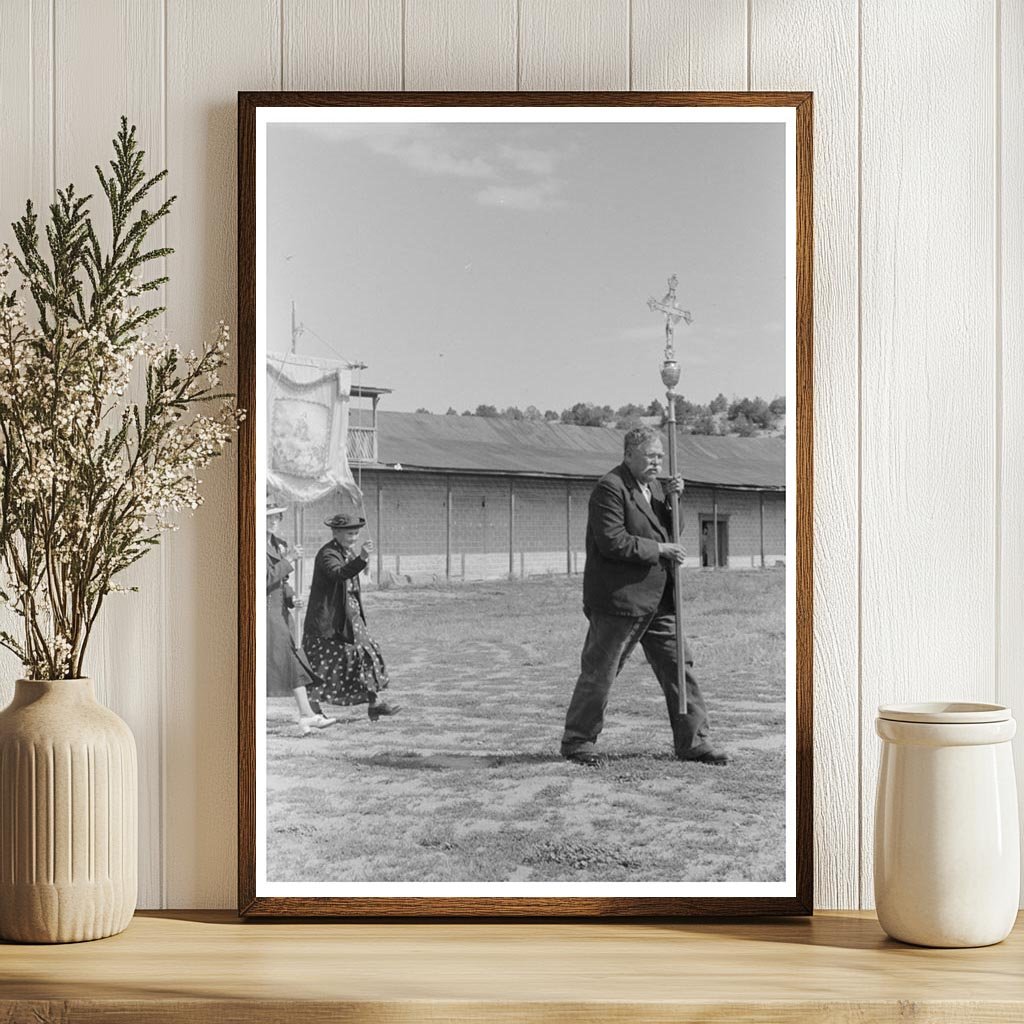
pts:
[631, 583]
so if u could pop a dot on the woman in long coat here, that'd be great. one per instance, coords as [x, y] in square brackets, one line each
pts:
[345, 658]
[285, 672]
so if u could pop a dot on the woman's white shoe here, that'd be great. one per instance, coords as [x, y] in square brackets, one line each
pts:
[308, 723]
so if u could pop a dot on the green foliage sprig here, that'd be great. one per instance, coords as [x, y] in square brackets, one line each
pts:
[89, 477]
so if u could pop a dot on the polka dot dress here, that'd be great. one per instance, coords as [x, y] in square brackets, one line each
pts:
[350, 673]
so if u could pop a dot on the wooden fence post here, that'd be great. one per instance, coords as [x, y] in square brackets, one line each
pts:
[760, 495]
[714, 513]
[448, 528]
[380, 532]
[568, 528]
[483, 507]
[511, 527]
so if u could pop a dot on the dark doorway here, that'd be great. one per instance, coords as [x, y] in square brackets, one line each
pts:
[714, 556]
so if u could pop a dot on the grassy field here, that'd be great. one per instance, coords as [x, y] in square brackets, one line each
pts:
[466, 783]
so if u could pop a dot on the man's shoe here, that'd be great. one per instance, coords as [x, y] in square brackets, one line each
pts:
[584, 757]
[712, 757]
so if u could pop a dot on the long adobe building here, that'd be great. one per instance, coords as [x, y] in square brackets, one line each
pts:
[468, 497]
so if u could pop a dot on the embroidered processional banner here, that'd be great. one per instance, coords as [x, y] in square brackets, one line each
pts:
[308, 400]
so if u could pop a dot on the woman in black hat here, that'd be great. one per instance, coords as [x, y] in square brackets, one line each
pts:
[341, 652]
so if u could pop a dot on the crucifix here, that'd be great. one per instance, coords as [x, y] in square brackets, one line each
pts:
[673, 313]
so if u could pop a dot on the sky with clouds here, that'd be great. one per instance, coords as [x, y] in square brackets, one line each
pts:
[510, 264]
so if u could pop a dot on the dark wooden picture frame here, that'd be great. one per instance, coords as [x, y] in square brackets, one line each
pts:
[254, 905]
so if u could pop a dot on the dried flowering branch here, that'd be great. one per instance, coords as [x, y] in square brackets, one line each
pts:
[89, 478]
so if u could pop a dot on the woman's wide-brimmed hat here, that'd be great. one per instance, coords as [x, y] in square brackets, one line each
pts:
[345, 521]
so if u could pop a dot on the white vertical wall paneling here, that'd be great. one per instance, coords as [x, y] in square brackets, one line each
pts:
[814, 46]
[457, 46]
[343, 44]
[928, 522]
[43, 59]
[122, 657]
[942, 273]
[213, 51]
[573, 44]
[1011, 242]
[26, 108]
[24, 59]
[26, 172]
[689, 44]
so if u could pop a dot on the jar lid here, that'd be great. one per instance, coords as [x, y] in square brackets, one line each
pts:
[945, 713]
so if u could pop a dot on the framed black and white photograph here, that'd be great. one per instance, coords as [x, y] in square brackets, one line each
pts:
[525, 504]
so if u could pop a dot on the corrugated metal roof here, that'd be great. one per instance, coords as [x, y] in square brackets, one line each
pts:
[486, 444]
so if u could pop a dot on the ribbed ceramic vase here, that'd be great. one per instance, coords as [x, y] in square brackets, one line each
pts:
[947, 847]
[68, 815]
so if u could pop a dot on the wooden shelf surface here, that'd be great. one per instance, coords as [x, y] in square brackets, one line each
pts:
[208, 966]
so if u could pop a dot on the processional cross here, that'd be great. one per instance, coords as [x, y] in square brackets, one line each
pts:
[673, 313]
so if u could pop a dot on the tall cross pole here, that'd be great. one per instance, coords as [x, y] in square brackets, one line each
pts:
[673, 313]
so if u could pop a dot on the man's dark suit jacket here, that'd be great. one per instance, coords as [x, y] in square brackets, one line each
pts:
[624, 574]
[333, 574]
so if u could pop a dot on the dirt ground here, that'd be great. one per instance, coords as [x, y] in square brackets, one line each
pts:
[466, 784]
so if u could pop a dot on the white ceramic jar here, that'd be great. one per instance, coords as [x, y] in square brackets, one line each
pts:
[947, 846]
